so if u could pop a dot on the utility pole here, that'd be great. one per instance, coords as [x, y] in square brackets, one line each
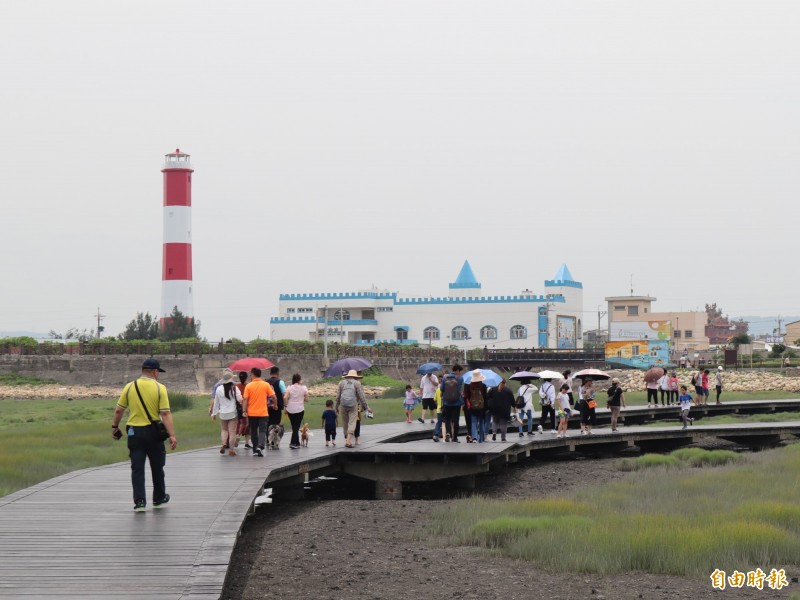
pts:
[600, 314]
[325, 361]
[100, 328]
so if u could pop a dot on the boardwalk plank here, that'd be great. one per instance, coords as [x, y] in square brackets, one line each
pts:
[82, 527]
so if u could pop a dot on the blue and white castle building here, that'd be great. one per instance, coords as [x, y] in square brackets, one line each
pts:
[465, 318]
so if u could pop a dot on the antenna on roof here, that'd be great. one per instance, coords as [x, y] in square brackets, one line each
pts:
[631, 284]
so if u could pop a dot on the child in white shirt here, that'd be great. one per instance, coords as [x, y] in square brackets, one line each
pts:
[563, 410]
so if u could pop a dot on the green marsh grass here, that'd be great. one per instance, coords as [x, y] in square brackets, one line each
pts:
[660, 520]
[179, 401]
[18, 379]
[685, 457]
[41, 439]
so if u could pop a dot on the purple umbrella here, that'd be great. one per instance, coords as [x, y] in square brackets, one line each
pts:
[343, 365]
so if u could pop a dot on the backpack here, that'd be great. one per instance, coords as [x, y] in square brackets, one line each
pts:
[545, 401]
[476, 398]
[694, 379]
[451, 394]
[348, 395]
[521, 398]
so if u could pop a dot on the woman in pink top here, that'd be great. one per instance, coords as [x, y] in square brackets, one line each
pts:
[294, 401]
[673, 387]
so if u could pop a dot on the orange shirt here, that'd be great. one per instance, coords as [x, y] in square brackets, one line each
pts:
[256, 393]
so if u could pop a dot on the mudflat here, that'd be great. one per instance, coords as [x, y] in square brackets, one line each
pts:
[362, 549]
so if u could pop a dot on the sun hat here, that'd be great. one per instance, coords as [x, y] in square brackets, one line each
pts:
[352, 373]
[227, 376]
[477, 376]
[719, 368]
[152, 364]
[615, 380]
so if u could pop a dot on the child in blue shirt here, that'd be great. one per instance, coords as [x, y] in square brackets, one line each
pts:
[329, 422]
[686, 403]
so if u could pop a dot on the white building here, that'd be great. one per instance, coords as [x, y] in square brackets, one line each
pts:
[464, 318]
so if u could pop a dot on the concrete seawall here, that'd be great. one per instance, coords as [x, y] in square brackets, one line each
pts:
[191, 374]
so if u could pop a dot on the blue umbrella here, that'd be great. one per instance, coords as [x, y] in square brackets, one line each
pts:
[427, 368]
[492, 378]
[343, 365]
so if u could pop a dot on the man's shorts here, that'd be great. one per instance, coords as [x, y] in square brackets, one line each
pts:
[719, 389]
[698, 390]
[705, 392]
[428, 403]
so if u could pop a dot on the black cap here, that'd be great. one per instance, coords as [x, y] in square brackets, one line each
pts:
[152, 363]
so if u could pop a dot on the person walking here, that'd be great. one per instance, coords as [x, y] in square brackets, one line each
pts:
[279, 387]
[697, 382]
[588, 407]
[718, 377]
[652, 391]
[704, 383]
[663, 388]
[547, 397]
[349, 395]
[476, 402]
[500, 401]
[409, 403]
[686, 405]
[673, 388]
[244, 426]
[427, 390]
[452, 386]
[296, 397]
[566, 377]
[562, 408]
[616, 400]
[525, 392]
[329, 422]
[437, 429]
[226, 399]
[259, 397]
[143, 398]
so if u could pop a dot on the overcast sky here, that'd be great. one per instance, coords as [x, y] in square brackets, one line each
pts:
[337, 145]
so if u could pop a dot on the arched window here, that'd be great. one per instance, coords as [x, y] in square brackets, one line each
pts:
[459, 333]
[519, 332]
[488, 332]
[341, 315]
[430, 333]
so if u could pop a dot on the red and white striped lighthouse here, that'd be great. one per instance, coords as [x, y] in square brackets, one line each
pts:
[176, 275]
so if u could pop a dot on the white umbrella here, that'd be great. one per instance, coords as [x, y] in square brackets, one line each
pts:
[550, 375]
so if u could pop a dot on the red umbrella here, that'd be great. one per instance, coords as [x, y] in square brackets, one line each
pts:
[245, 364]
[653, 374]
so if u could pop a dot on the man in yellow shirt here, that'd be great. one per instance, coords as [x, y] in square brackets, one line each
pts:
[258, 397]
[144, 398]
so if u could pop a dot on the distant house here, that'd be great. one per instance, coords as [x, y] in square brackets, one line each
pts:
[640, 337]
[792, 333]
[464, 318]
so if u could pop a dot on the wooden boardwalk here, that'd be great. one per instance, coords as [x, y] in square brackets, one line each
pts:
[76, 536]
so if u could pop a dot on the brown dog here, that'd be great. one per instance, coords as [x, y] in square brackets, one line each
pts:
[304, 435]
